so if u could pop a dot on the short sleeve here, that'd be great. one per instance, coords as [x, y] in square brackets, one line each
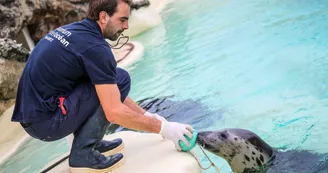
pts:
[100, 65]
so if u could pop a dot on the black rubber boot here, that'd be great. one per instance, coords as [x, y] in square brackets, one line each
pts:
[108, 148]
[83, 156]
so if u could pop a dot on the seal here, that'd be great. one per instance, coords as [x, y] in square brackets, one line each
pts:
[246, 152]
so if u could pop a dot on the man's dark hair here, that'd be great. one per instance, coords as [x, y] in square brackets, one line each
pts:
[109, 6]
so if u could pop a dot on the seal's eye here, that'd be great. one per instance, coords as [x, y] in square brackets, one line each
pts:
[223, 135]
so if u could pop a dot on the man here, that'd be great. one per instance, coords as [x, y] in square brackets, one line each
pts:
[69, 74]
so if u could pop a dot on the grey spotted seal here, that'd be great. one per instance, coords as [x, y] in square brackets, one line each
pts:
[246, 152]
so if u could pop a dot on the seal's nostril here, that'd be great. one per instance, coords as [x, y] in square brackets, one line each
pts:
[199, 139]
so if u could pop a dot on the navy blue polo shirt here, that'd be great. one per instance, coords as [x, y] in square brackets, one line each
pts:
[65, 57]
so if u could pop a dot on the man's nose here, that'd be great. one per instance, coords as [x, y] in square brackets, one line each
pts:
[126, 25]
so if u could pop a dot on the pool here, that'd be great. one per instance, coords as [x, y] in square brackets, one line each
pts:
[259, 65]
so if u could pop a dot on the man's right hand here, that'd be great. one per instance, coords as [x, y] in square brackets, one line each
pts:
[175, 132]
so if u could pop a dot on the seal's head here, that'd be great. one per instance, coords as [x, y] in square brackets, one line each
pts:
[242, 149]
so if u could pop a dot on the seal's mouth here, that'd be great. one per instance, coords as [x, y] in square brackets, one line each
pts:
[201, 141]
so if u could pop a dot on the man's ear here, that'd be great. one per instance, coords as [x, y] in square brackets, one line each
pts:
[103, 17]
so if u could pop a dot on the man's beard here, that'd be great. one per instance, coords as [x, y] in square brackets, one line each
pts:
[110, 32]
[112, 37]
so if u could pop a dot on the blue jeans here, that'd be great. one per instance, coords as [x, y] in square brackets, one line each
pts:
[79, 105]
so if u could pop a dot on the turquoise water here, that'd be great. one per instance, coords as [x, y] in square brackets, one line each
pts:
[262, 65]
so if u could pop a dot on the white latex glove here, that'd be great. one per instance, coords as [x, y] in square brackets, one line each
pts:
[156, 116]
[175, 132]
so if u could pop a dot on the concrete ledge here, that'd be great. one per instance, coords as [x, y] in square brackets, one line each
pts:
[145, 153]
[12, 135]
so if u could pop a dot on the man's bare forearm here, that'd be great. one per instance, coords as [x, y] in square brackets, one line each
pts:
[133, 105]
[118, 113]
[131, 119]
